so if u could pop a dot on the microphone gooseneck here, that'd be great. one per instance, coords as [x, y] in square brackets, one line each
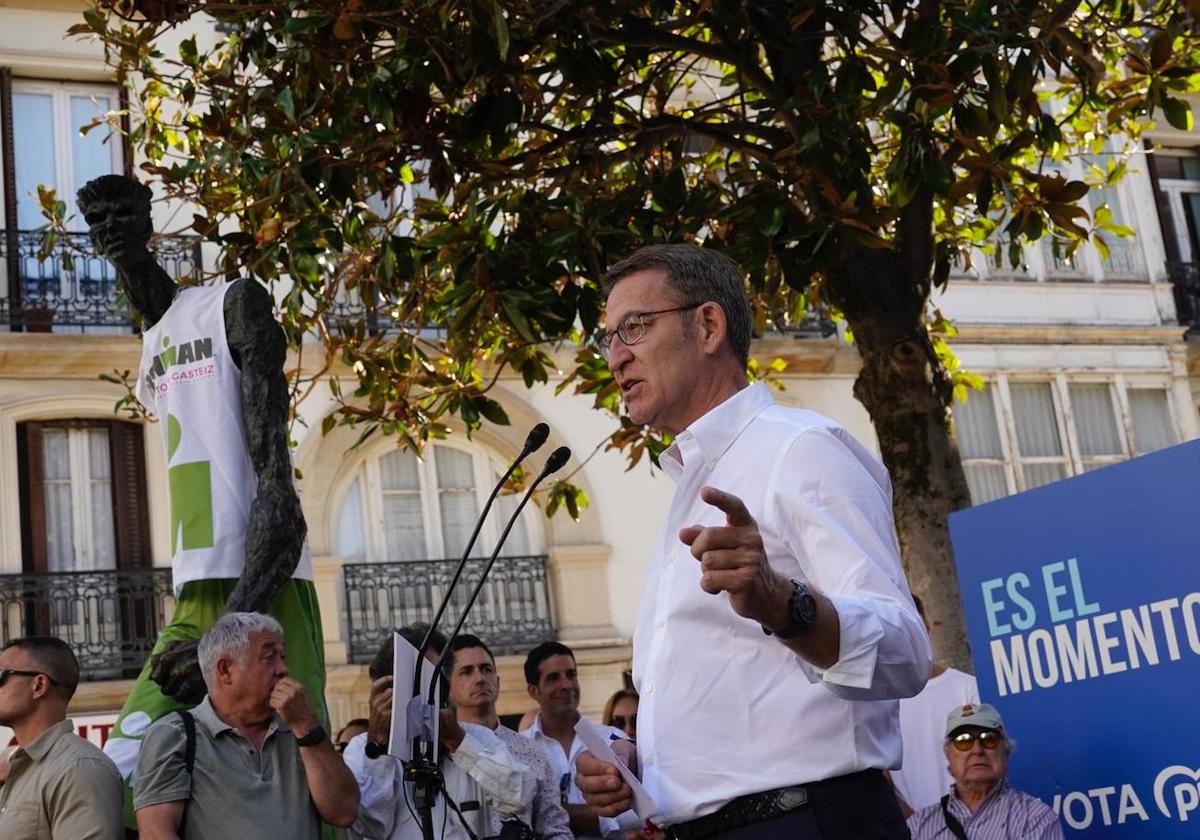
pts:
[554, 463]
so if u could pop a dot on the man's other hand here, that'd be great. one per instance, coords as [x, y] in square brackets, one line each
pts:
[290, 701]
[733, 559]
[602, 786]
[379, 718]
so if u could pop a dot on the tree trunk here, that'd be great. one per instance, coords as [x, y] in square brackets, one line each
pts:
[907, 392]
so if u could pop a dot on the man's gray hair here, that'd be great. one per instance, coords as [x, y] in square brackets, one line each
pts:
[230, 636]
[696, 275]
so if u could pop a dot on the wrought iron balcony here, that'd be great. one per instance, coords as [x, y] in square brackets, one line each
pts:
[1186, 278]
[111, 619]
[74, 289]
[511, 615]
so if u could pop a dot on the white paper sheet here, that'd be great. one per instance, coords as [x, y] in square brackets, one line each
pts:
[404, 657]
[643, 803]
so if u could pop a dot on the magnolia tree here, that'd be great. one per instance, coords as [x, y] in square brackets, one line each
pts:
[443, 182]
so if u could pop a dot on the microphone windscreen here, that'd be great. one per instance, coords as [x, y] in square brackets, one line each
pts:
[556, 460]
[537, 437]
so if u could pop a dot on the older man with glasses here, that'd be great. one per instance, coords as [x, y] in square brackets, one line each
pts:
[981, 805]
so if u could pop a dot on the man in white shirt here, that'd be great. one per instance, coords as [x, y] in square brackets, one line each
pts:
[776, 632]
[483, 783]
[553, 683]
[925, 775]
[474, 687]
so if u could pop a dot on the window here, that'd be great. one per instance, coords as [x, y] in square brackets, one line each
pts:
[403, 508]
[47, 148]
[1019, 433]
[83, 490]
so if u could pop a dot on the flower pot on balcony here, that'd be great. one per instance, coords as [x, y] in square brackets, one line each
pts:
[37, 319]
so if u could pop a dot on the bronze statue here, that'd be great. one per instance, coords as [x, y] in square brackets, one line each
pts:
[228, 552]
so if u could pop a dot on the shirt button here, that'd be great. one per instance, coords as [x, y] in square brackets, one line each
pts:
[649, 688]
[662, 622]
[650, 759]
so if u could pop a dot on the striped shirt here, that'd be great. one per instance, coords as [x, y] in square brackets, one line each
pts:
[1006, 814]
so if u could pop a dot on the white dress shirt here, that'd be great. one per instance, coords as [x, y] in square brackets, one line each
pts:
[726, 710]
[481, 776]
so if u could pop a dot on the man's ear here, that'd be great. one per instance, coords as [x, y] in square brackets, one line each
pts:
[224, 669]
[533, 693]
[712, 326]
[41, 687]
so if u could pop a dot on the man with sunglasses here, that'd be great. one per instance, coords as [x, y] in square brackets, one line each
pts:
[60, 786]
[776, 632]
[981, 805]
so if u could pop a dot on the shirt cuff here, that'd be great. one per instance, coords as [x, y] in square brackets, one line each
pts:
[859, 634]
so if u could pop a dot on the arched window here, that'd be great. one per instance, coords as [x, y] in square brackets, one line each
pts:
[400, 507]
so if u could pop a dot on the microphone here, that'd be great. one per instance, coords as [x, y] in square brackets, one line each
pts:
[554, 463]
[533, 442]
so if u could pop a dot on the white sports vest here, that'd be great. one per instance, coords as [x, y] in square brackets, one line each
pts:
[188, 378]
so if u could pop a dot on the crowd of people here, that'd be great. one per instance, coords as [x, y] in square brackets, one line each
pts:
[782, 667]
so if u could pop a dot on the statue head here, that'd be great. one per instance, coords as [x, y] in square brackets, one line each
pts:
[117, 210]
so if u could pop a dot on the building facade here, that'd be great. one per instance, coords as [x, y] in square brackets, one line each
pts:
[1086, 363]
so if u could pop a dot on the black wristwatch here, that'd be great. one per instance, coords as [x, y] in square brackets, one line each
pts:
[374, 749]
[801, 612]
[312, 737]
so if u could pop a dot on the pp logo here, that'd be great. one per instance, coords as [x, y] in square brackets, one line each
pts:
[1183, 784]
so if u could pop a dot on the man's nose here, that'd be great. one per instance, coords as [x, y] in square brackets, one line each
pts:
[618, 353]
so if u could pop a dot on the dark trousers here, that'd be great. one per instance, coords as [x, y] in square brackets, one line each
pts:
[861, 806]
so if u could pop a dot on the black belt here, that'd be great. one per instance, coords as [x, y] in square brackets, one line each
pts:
[743, 811]
[756, 807]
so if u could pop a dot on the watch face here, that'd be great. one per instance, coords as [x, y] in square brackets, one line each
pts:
[802, 607]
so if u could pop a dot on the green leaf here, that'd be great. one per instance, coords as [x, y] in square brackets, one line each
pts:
[1178, 113]
[285, 103]
[188, 53]
[501, 29]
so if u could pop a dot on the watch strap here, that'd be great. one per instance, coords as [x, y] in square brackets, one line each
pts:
[312, 737]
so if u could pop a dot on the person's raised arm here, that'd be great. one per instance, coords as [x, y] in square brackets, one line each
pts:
[330, 783]
[508, 784]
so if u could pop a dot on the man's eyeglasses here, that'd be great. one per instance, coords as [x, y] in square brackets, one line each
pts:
[632, 328]
[965, 741]
[620, 721]
[5, 673]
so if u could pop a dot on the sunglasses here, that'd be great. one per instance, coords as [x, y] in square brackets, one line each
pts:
[965, 741]
[620, 721]
[5, 673]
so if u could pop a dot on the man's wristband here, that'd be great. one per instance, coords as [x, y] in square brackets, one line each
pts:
[312, 737]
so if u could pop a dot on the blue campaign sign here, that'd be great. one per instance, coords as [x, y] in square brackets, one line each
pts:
[1083, 609]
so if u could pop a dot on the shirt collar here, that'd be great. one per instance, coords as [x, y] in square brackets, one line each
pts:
[41, 745]
[995, 792]
[206, 716]
[711, 434]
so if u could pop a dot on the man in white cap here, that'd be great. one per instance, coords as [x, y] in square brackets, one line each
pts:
[981, 805]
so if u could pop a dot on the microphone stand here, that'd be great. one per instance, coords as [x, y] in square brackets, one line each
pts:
[423, 769]
[554, 463]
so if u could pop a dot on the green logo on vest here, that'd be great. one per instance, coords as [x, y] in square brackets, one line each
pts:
[191, 496]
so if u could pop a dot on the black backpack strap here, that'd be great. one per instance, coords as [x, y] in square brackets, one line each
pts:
[189, 755]
[952, 823]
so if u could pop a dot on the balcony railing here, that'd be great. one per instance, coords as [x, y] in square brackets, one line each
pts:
[1186, 278]
[111, 619]
[511, 615]
[74, 289]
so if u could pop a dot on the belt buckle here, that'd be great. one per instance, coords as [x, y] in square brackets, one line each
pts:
[791, 798]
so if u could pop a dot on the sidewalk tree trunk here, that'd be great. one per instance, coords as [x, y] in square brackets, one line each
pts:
[474, 165]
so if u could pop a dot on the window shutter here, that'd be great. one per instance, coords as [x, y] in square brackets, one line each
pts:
[33, 497]
[129, 495]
